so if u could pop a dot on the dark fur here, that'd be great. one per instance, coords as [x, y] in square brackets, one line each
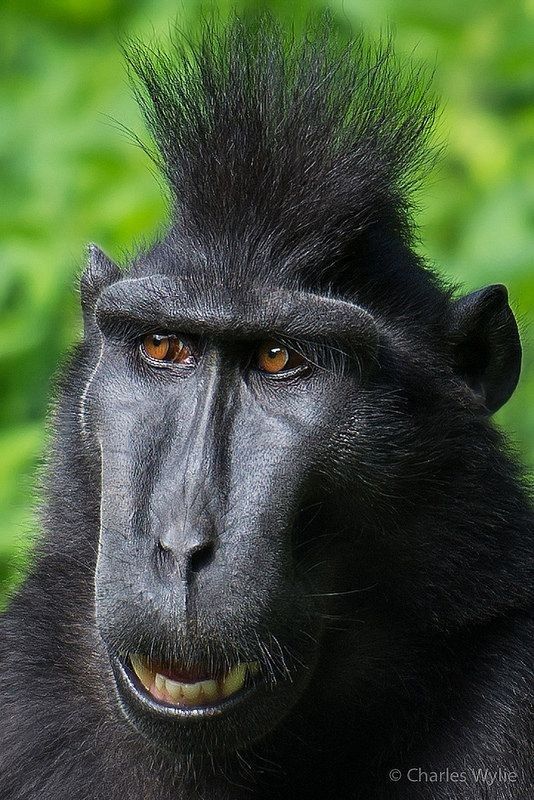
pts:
[292, 173]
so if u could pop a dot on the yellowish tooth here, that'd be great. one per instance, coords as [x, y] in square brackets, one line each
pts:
[191, 691]
[234, 680]
[209, 690]
[145, 675]
[173, 689]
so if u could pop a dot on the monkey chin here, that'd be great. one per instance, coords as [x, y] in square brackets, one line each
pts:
[192, 718]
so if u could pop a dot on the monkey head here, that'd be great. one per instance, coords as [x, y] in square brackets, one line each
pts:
[276, 399]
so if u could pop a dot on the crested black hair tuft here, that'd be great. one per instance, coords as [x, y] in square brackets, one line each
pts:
[281, 138]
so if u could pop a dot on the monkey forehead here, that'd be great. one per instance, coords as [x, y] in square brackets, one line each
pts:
[176, 304]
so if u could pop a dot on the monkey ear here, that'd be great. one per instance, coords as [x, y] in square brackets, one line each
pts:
[99, 273]
[487, 348]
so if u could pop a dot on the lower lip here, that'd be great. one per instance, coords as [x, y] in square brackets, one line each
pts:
[133, 686]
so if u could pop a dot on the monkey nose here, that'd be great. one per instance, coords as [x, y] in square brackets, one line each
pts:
[185, 557]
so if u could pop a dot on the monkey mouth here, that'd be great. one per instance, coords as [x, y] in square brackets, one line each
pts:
[189, 689]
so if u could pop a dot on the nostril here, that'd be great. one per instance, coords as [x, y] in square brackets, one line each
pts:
[201, 556]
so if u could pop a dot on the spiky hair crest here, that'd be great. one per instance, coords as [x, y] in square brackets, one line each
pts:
[284, 139]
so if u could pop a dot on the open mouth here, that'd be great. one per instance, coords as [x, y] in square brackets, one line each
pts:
[188, 689]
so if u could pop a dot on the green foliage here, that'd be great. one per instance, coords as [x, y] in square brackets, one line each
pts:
[70, 175]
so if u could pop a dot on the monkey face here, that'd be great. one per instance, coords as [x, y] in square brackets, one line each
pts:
[236, 426]
[213, 418]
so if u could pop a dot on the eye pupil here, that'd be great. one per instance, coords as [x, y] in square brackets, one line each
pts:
[274, 352]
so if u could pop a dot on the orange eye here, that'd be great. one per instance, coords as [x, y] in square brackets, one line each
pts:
[166, 347]
[274, 357]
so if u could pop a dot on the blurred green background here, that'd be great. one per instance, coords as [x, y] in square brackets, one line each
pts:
[69, 175]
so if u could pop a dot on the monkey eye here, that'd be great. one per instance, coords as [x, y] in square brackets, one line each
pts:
[167, 347]
[274, 358]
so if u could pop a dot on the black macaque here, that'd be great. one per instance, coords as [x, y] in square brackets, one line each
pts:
[285, 553]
